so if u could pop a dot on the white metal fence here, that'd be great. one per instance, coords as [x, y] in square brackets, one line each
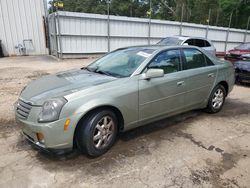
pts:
[77, 34]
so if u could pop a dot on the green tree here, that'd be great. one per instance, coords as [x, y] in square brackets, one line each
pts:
[240, 10]
[195, 11]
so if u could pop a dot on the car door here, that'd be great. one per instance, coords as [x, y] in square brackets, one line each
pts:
[200, 75]
[164, 95]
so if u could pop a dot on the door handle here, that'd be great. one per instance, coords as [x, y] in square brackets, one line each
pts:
[180, 83]
[211, 75]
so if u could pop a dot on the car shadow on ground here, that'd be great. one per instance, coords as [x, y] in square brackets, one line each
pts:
[137, 141]
[243, 84]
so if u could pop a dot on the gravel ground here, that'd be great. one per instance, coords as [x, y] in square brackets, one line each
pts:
[194, 149]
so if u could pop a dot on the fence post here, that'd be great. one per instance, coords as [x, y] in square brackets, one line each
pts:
[245, 36]
[229, 25]
[55, 35]
[217, 17]
[59, 35]
[149, 21]
[149, 31]
[108, 24]
[182, 9]
[208, 21]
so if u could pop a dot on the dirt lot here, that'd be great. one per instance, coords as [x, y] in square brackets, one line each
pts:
[194, 149]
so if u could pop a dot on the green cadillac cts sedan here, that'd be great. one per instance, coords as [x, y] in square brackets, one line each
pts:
[127, 88]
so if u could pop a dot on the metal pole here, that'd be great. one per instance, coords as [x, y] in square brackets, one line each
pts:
[208, 21]
[55, 35]
[108, 24]
[182, 10]
[217, 17]
[245, 36]
[149, 22]
[59, 34]
[45, 8]
[229, 25]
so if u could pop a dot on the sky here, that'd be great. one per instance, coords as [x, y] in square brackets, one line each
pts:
[48, 3]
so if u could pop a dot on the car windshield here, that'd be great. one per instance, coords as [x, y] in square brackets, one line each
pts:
[244, 46]
[121, 63]
[170, 41]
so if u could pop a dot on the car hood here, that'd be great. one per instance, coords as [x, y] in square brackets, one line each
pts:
[242, 65]
[236, 51]
[61, 84]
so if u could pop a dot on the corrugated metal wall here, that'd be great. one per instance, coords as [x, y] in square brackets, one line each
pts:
[73, 34]
[20, 22]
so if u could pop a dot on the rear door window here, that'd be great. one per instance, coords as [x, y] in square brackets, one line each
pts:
[169, 61]
[190, 42]
[194, 59]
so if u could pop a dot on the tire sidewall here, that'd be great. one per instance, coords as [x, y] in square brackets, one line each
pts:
[86, 132]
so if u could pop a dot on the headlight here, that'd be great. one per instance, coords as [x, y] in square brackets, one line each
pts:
[245, 55]
[51, 109]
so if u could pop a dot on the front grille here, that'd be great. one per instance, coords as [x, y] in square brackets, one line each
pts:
[235, 55]
[23, 109]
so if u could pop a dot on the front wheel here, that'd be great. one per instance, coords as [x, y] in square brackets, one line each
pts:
[216, 99]
[97, 133]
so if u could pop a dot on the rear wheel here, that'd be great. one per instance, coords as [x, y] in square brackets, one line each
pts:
[97, 133]
[216, 99]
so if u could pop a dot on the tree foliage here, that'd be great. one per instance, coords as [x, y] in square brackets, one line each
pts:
[195, 11]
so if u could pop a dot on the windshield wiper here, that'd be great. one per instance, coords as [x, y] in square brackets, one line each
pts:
[103, 72]
[86, 68]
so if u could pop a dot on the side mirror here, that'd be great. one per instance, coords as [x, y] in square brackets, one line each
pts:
[185, 44]
[153, 73]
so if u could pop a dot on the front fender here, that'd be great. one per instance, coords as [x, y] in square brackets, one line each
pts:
[127, 104]
[97, 103]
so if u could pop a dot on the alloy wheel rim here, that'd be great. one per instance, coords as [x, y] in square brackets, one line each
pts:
[103, 133]
[218, 98]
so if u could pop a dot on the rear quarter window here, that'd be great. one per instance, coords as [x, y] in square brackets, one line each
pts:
[200, 43]
[207, 44]
[208, 61]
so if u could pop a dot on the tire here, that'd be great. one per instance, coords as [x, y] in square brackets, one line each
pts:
[96, 134]
[237, 80]
[216, 99]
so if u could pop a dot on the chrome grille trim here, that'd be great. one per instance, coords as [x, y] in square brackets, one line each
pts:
[23, 109]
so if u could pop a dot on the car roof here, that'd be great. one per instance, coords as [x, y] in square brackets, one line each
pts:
[158, 47]
[184, 37]
[244, 43]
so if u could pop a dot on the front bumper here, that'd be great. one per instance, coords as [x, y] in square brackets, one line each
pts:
[233, 57]
[55, 137]
[50, 151]
[242, 77]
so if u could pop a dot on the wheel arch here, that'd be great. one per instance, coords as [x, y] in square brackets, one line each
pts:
[225, 85]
